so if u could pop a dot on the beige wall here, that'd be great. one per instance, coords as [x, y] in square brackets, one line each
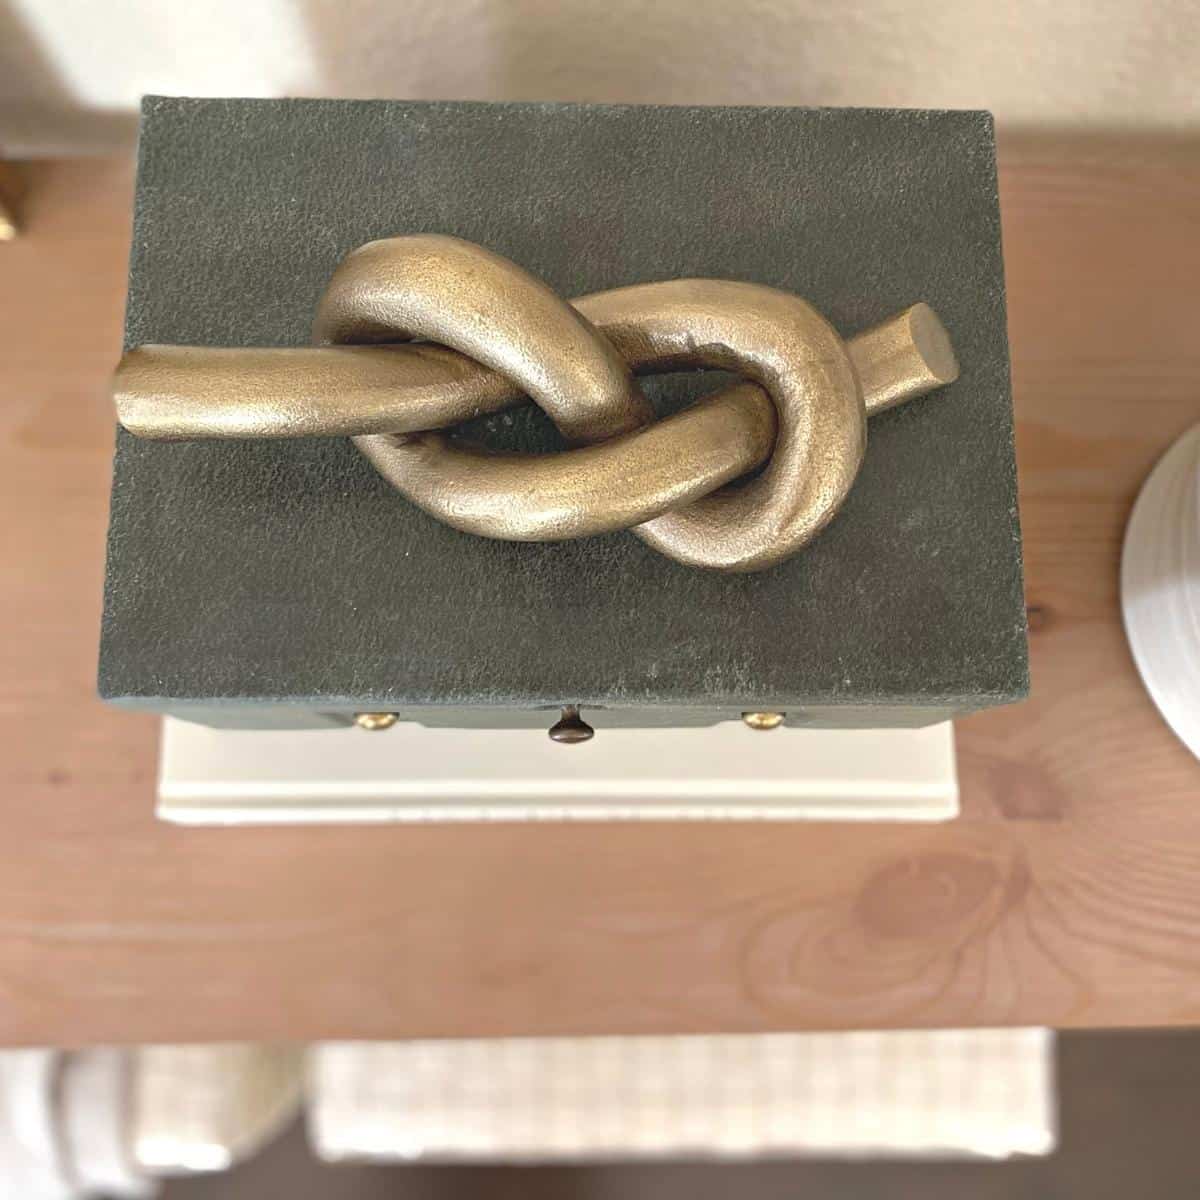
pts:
[71, 70]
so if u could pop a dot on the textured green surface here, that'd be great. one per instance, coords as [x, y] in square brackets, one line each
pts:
[287, 574]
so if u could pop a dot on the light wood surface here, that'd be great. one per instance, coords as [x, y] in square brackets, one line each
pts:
[1068, 894]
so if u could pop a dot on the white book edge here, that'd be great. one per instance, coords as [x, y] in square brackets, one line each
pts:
[415, 774]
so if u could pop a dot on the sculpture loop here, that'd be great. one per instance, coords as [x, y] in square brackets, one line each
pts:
[417, 334]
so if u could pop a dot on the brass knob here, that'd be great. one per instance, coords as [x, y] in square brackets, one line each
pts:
[373, 722]
[763, 720]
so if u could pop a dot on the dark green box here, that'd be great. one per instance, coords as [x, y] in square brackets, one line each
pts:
[266, 583]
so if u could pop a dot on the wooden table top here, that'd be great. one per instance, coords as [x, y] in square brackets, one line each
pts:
[1068, 894]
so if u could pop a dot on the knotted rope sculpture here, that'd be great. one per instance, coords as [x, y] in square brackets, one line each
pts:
[417, 334]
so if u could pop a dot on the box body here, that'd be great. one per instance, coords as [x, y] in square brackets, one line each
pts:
[283, 583]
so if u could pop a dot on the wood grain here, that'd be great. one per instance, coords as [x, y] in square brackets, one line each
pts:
[1068, 894]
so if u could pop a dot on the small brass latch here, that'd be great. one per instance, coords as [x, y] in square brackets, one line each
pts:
[571, 728]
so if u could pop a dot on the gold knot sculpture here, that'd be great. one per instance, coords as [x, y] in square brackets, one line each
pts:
[417, 334]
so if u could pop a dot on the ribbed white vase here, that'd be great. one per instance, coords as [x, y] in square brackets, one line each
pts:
[1160, 586]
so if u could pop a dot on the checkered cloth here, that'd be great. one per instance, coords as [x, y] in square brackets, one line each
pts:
[936, 1093]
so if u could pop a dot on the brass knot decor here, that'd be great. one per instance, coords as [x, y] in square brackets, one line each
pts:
[417, 334]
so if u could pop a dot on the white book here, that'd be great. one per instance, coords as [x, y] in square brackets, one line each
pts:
[417, 774]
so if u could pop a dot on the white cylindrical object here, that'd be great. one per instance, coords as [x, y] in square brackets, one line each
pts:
[64, 1126]
[95, 1095]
